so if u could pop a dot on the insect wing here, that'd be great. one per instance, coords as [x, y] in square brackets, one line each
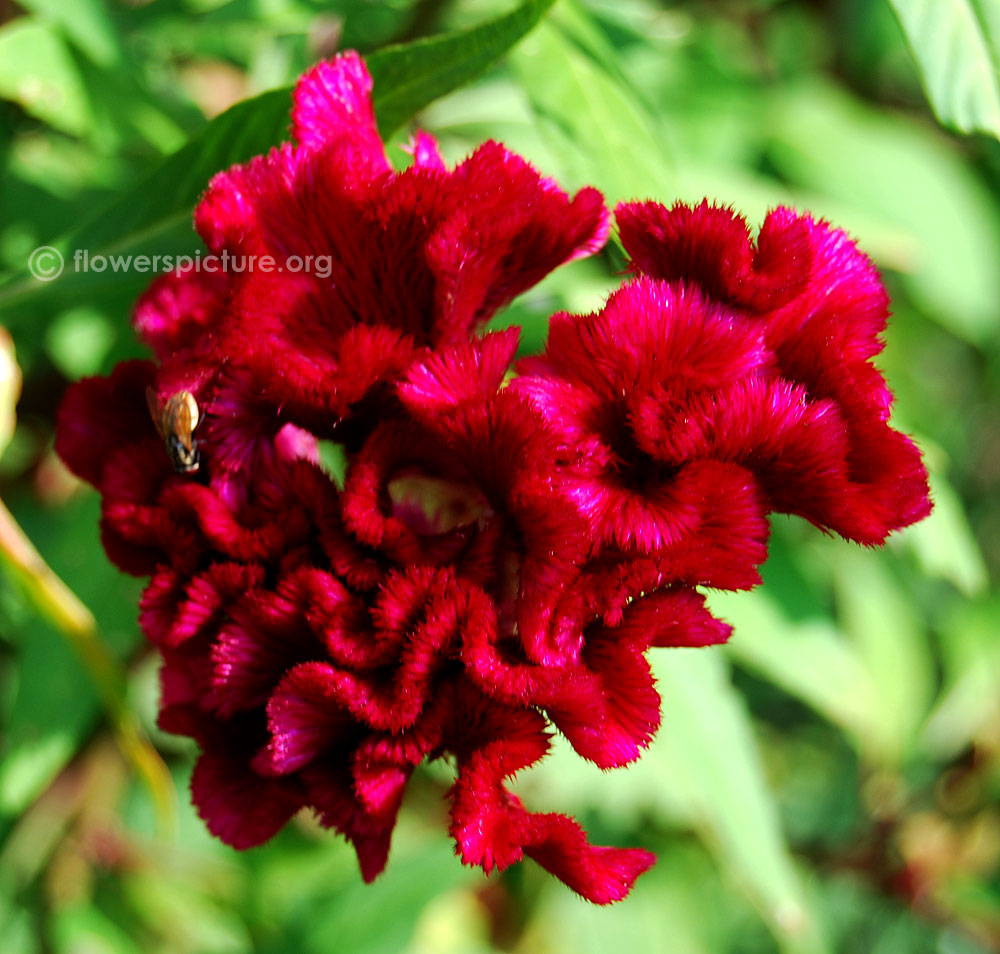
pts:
[157, 412]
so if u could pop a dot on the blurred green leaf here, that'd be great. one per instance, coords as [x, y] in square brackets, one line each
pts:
[665, 912]
[707, 753]
[85, 22]
[408, 77]
[600, 134]
[16, 927]
[885, 627]
[703, 770]
[84, 928]
[379, 918]
[945, 544]
[66, 664]
[577, 24]
[910, 175]
[194, 923]
[78, 341]
[155, 216]
[36, 748]
[808, 659]
[889, 243]
[957, 57]
[38, 72]
[968, 705]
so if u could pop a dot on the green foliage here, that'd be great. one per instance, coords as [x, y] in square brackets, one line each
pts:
[406, 78]
[828, 781]
[716, 774]
[37, 73]
[957, 44]
[154, 218]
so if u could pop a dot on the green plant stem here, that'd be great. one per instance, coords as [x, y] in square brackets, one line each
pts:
[58, 604]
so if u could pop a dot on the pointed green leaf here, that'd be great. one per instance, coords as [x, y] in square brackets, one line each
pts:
[579, 101]
[154, 217]
[408, 78]
[951, 44]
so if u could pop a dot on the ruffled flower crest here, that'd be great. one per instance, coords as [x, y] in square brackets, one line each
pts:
[502, 551]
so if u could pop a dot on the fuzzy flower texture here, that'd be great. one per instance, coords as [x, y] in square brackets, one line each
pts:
[505, 547]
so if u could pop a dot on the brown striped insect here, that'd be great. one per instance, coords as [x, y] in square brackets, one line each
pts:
[175, 421]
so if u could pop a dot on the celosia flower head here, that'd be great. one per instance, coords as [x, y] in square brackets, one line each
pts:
[500, 557]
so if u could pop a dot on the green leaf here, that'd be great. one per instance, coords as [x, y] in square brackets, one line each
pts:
[915, 180]
[190, 920]
[78, 341]
[82, 927]
[85, 22]
[808, 659]
[407, 78]
[951, 44]
[580, 102]
[967, 708]
[891, 638]
[703, 770]
[379, 918]
[17, 927]
[670, 909]
[945, 544]
[577, 24]
[55, 699]
[34, 753]
[154, 217]
[708, 755]
[38, 72]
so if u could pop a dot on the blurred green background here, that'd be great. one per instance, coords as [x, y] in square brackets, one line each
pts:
[827, 782]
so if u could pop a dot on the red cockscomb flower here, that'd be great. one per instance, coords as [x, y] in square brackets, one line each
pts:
[500, 556]
[820, 307]
[320, 643]
[725, 382]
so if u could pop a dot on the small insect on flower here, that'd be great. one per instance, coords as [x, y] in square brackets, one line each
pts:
[175, 422]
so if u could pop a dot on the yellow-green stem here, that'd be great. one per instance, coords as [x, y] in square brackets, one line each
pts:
[57, 603]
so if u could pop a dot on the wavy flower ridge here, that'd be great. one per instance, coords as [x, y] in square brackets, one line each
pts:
[501, 554]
